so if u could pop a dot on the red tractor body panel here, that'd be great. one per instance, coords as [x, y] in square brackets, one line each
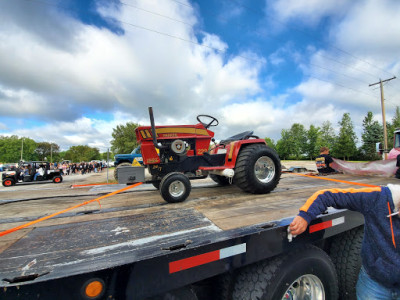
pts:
[232, 150]
[197, 133]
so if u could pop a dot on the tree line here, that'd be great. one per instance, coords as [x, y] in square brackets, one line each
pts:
[14, 147]
[296, 143]
[300, 143]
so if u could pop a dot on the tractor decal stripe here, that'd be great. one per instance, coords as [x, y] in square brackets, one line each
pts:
[231, 151]
[205, 258]
[186, 130]
[326, 224]
[142, 134]
[148, 134]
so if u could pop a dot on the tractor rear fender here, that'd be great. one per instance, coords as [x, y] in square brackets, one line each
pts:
[233, 149]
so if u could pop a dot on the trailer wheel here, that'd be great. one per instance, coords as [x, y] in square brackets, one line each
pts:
[345, 253]
[175, 187]
[124, 164]
[258, 169]
[57, 179]
[307, 273]
[221, 180]
[8, 182]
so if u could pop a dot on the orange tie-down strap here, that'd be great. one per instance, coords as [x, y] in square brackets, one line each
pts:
[68, 209]
[337, 180]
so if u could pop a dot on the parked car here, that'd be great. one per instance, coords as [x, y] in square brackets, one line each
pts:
[33, 171]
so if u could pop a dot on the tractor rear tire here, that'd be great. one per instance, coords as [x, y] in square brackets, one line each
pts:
[8, 182]
[124, 164]
[221, 180]
[175, 187]
[258, 169]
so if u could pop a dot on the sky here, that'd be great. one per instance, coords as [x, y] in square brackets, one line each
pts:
[72, 70]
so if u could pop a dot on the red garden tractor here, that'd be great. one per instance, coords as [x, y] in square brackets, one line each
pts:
[175, 154]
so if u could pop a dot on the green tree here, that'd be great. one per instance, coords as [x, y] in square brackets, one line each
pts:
[313, 142]
[283, 146]
[345, 147]
[49, 151]
[82, 153]
[372, 134]
[292, 142]
[270, 142]
[328, 136]
[298, 137]
[110, 156]
[391, 127]
[13, 147]
[124, 138]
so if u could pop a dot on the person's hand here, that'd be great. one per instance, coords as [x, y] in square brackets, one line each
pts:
[298, 226]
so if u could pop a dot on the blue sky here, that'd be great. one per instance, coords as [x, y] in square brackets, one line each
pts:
[72, 70]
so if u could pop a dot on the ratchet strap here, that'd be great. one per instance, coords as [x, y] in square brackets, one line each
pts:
[2, 233]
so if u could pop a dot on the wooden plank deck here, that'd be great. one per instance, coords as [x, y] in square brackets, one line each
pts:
[226, 207]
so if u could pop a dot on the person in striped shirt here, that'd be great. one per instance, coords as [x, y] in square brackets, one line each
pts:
[379, 276]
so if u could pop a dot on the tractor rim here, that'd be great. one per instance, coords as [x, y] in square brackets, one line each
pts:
[307, 287]
[264, 169]
[57, 179]
[8, 182]
[176, 188]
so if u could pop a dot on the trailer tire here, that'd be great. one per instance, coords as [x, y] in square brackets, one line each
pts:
[124, 164]
[278, 278]
[258, 169]
[175, 187]
[345, 254]
[221, 180]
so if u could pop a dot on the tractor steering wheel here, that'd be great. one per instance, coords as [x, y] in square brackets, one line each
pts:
[214, 121]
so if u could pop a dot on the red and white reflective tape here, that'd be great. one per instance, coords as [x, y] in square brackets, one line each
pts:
[326, 224]
[205, 258]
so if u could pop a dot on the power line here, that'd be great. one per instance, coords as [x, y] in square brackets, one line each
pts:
[202, 45]
[306, 33]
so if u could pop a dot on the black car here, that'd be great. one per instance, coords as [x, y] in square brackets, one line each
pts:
[33, 171]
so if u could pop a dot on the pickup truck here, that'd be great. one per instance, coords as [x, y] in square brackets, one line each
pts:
[221, 243]
[127, 159]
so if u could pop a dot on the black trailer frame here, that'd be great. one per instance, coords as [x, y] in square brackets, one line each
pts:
[137, 270]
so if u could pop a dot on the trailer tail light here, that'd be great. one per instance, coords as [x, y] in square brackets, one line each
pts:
[93, 288]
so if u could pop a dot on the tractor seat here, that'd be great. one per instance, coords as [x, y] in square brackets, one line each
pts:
[238, 137]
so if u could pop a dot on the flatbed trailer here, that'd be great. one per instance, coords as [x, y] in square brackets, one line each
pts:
[136, 246]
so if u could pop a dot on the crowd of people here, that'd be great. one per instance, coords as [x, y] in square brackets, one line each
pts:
[67, 168]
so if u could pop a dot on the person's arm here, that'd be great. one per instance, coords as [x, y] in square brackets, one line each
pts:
[353, 199]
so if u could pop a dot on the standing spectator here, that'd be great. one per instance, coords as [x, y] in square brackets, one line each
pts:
[379, 277]
[323, 161]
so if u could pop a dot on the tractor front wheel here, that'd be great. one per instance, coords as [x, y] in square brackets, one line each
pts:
[258, 169]
[175, 187]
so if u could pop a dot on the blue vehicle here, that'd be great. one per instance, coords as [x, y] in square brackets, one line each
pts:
[127, 159]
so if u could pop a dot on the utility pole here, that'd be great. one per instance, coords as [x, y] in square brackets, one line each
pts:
[385, 144]
[22, 148]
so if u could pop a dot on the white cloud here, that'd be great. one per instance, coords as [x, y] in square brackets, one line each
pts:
[59, 69]
[308, 11]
